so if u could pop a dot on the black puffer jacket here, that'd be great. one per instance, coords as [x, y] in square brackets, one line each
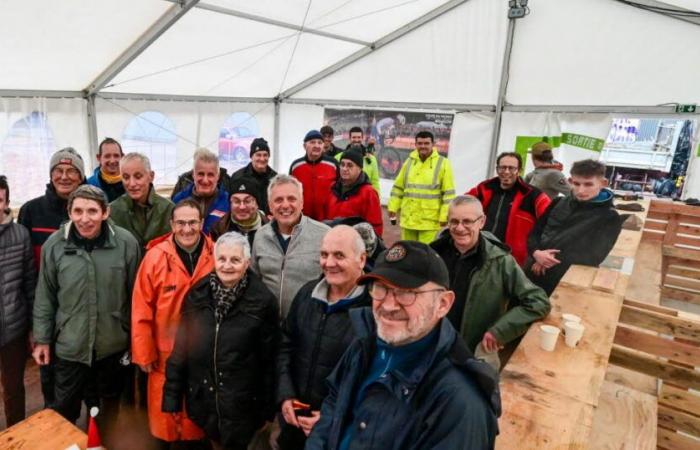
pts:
[17, 281]
[42, 216]
[225, 374]
[263, 180]
[314, 337]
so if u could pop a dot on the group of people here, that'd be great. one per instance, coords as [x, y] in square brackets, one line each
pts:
[260, 309]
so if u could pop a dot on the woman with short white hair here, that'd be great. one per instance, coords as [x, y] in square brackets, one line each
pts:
[223, 361]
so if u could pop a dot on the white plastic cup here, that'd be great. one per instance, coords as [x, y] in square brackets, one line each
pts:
[574, 333]
[548, 337]
[566, 317]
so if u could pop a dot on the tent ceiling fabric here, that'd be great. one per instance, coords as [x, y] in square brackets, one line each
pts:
[602, 52]
[64, 45]
[468, 73]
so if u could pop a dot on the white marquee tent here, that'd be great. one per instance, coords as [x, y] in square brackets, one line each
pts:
[75, 71]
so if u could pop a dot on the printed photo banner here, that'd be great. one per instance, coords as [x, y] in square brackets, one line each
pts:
[389, 134]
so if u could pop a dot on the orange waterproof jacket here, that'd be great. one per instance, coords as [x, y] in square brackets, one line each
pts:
[160, 288]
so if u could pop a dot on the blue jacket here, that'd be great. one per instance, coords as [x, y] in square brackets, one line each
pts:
[218, 208]
[448, 401]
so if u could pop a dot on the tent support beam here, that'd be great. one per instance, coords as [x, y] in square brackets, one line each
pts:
[278, 23]
[460, 107]
[40, 93]
[92, 126]
[276, 136]
[181, 98]
[503, 87]
[657, 4]
[164, 22]
[602, 109]
[376, 45]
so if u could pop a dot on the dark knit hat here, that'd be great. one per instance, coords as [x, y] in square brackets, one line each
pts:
[313, 134]
[409, 264]
[68, 155]
[245, 185]
[353, 155]
[259, 145]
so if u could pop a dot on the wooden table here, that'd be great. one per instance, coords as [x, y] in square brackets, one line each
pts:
[45, 430]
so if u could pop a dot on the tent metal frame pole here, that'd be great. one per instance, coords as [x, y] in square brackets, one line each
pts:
[502, 89]
[276, 135]
[160, 26]
[279, 23]
[657, 4]
[92, 127]
[376, 45]
[181, 98]
[40, 93]
[461, 107]
[602, 109]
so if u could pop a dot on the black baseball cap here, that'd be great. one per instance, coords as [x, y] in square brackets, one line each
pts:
[409, 264]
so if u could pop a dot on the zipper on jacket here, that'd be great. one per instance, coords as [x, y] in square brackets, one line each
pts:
[498, 213]
[314, 354]
[216, 377]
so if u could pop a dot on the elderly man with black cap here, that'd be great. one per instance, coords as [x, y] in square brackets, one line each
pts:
[408, 381]
[352, 195]
[245, 216]
[82, 306]
[258, 169]
[317, 173]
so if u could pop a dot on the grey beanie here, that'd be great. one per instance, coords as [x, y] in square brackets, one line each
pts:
[68, 155]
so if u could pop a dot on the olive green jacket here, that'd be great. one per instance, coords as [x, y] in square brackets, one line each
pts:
[83, 300]
[157, 217]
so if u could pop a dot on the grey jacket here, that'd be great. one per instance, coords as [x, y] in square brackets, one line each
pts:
[83, 299]
[17, 281]
[285, 273]
[549, 180]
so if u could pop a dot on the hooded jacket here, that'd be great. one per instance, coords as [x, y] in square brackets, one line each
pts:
[317, 177]
[161, 285]
[225, 373]
[549, 179]
[123, 212]
[83, 299]
[583, 232]
[112, 190]
[449, 400]
[529, 204]
[285, 272]
[361, 200]
[500, 298]
[217, 209]
[17, 281]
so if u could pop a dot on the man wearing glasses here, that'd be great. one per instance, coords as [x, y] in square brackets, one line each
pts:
[495, 302]
[245, 216]
[408, 381]
[511, 206]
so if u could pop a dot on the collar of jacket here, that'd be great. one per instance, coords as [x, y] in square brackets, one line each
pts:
[200, 297]
[520, 185]
[149, 201]
[109, 239]
[267, 174]
[320, 294]
[606, 200]
[354, 188]
[54, 200]
[296, 230]
[490, 247]
[434, 155]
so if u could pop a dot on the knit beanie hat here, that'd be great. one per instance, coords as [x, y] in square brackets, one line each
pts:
[313, 134]
[259, 145]
[68, 155]
[245, 185]
[354, 155]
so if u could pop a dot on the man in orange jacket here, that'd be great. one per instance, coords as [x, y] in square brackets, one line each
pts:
[173, 263]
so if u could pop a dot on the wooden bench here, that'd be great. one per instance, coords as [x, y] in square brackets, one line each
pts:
[45, 430]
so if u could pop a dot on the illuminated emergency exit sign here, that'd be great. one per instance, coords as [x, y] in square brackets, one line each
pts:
[688, 109]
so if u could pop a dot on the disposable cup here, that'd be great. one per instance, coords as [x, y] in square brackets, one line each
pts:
[574, 333]
[566, 317]
[548, 337]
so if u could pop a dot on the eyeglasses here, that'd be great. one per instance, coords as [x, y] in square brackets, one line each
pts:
[186, 223]
[70, 172]
[403, 297]
[507, 168]
[246, 202]
[466, 223]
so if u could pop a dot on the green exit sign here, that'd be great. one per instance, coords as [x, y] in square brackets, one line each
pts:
[685, 108]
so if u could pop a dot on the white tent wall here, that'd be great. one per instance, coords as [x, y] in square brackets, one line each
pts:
[191, 125]
[601, 52]
[455, 58]
[31, 130]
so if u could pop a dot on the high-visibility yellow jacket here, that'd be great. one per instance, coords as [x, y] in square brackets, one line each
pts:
[422, 191]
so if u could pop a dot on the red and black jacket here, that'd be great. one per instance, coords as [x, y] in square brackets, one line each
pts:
[529, 204]
[360, 201]
[317, 177]
[42, 216]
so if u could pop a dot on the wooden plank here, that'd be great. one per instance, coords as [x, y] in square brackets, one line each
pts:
[661, 323]
[682, 282]
[692, 244]
[679, 294]
[670, 440]
[645, 280]
[680, 399]
[689, 230]
[683, 253]
[605, 280]
[625, 419]
[652, 236]
[685, 219]
[653, 225]
[662, 206]
[687, 272]
[580, 276]
[655, 308]
[658, 215]
[654, 367]
[657, 346]
[677, 420]
[631, 379]
[45, 430]
[626, 244]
